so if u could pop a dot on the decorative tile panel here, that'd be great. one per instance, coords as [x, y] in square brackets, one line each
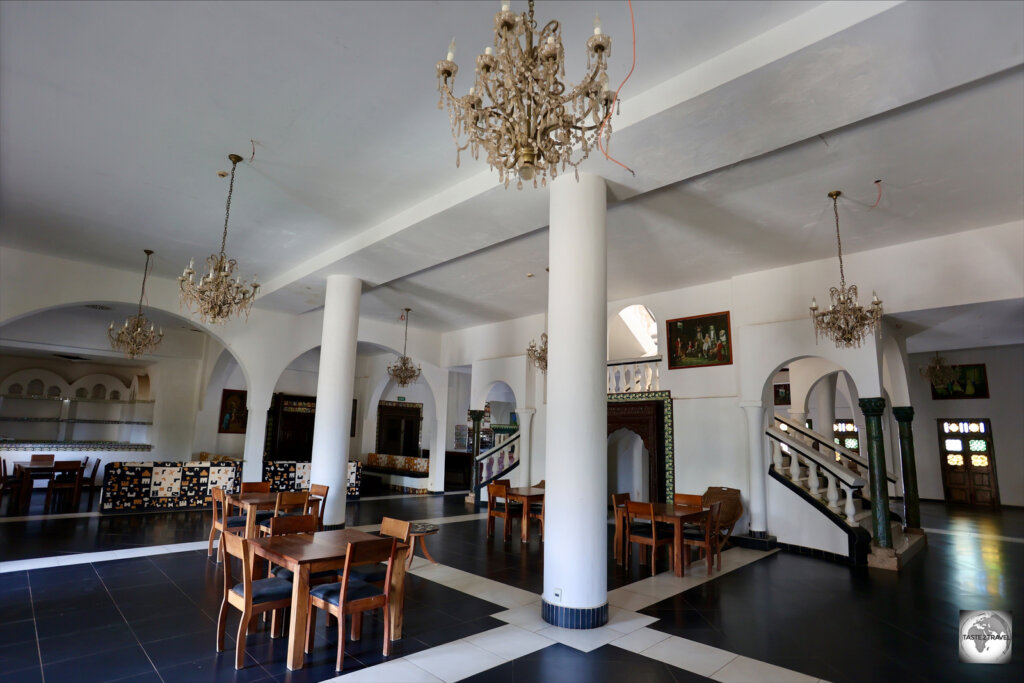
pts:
[165, 482]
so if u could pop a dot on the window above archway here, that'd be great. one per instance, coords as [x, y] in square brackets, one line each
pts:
[632, 333]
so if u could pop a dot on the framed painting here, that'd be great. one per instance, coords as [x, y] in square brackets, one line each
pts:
[699, 341]
[233, 413]
[781, 392]
[971, 382]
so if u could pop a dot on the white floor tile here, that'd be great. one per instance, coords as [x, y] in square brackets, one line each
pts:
[527, 617]
[746, 670]
[626, 621]
[630, 601]
[455, 661]
[509, 642]
[584, 640]
[395, 671]
[690, 655]
[498, 593]
[640, 640]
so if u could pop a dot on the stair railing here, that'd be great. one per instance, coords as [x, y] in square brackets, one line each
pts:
[499, 460]
[835, 474]
[633, 375]
[826, 444]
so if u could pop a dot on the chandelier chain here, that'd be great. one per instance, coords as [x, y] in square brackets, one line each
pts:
[227, 209]
[839, 241]
[145, 272]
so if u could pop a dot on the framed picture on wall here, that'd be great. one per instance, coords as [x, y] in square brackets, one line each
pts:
[233, 413]
[699, 341]
[971, 382]
[781, 392]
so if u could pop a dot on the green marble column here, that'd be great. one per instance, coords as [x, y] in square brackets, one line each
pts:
[873, 409]
[911, 503]
[477, 417]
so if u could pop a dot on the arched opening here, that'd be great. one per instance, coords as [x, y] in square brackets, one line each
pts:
[632, 334]
[499, 412]
[628, 465]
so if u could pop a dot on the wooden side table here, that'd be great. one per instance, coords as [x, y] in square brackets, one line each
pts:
[420, 530]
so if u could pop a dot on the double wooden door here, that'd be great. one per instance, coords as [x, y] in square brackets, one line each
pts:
[968, 462]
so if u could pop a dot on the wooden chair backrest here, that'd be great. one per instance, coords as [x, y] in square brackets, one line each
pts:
[292, 524]
[290, 501]
[370, 552]
[43, 457]
[687, 499]
[504, 482]
[494, 492]
[236, 546]
[95, 469]
[715, 516]
[217, 502]
[321, 491]
[732, 504]
[395, 528]
[67, 466]
[619, 499]
[540, 484]
[255, 487]
[642, 511]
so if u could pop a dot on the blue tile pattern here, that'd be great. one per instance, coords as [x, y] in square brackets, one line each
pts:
[574, 617]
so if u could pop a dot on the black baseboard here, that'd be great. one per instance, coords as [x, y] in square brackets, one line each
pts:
[820, 554]
[753, 542]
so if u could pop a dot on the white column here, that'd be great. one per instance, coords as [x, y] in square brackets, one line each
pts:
[257, 403]
[334, 387]
[575, 533]
[758, 468]
[823, 407]
[525, 424]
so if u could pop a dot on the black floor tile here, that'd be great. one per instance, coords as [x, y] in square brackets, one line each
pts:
[30, 675]
[189, 647]
[163, 626]
[15, 632]
[101, 667]
[88, 642]
[14, 657]
[220, 667]
[77, 620]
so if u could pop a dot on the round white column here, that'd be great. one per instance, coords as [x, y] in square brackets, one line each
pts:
[758, 469]
[525, 450]
[334, 387]
[823, 409]
[576, 512]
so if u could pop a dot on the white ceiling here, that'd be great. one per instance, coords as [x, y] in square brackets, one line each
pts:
[115, 117]
[993, 323]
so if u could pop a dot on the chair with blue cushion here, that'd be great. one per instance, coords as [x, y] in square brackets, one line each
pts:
[221, 520]
[289, 504]
[257, 487]
[643, 530]
[352, 596]
[298, 524]
[252, 598]
[377, 573]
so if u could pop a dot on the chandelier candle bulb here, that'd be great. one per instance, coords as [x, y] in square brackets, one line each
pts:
[597, 24]
[451, 51]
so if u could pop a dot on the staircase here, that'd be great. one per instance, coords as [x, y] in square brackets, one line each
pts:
[832, 480]
[496, 462]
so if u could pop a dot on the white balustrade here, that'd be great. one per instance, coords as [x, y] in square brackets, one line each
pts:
[850, 509]
[831, 492]
[636, 377]
[794, 466]
[812, 477]
[776, 456]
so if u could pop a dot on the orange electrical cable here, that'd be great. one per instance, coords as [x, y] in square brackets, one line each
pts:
[600, 144]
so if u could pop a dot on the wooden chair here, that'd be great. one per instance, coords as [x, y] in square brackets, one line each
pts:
[651, 534]
[536, 512]
[221, 522]
[252, 598]
[506, 512]
[288, 503]
[89, 483]
[376, 573]
[732, 509]
[617, 500]
[319, 490]
[352, 596]
[257, 487]
[63, 487]
[540, 484]
[297, 524]
[42, 458]
[687, 499]
[706, 537]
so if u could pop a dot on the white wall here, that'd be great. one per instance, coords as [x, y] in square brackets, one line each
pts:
[1004, 366]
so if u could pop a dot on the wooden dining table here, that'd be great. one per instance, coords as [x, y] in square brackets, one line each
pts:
[304, 554]
[525, 495]
[251, 502]
[27, 472]
[677, 516]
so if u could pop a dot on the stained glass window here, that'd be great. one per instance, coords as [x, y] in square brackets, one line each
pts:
[955, 460]
[978, 445]
[851, 444]
[979, 460]
[953, 427]
[954, 445]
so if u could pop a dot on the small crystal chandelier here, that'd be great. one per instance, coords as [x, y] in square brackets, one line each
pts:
[938, 372]
[216, 297]
[531, 122]
[845, 321]
[402, 370]
[134, 339]
[538, 355]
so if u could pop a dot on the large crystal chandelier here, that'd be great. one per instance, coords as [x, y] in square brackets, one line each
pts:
[538, 355]
[219, 294]
[402, 370]
[845, 321]
[137, 336]
[519, 110]
[938, 373]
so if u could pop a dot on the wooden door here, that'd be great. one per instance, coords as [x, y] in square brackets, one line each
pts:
[968, 462]
[644, 418]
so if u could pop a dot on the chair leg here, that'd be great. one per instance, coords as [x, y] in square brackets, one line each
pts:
[341, 642]
[357, 626]
[243, 625]
[387, 630]
[311, 626]
[222, 621]
[654, 559]
[490, 526]
[276, 623]
[209, 545]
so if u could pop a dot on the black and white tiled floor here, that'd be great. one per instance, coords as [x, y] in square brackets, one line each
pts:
[767, 617]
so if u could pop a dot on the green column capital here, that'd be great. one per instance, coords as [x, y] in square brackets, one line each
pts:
[872, 407]
[903, 413]
[476, 415]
